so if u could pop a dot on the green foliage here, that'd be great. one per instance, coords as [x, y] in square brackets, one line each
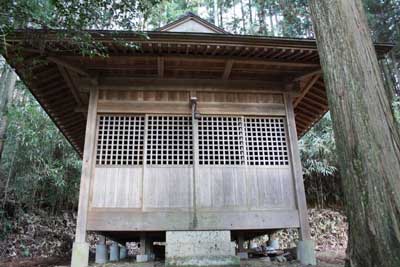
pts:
[42, 168]
[318, 155]
[318, 149]
[74, 17]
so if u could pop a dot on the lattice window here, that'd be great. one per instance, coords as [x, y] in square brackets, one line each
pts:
[220, 141]
[266, 141]
[169, 140]
[120, 140]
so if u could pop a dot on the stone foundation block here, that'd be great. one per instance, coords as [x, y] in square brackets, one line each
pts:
[306, 252]
[80, 255]
[101, 253]
[200, 248]
[114, 252]
[122, 253]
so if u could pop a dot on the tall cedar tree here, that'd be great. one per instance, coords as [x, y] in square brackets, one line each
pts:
[368, 142]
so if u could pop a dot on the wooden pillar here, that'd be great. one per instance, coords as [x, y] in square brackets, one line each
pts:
[87, 166]
[297, 169]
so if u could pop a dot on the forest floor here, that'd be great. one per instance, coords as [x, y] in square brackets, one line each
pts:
[40, 240]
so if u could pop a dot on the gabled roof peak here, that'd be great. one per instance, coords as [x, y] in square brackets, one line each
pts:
[190, 22]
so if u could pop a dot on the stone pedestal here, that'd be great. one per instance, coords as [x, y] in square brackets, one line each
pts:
[306, 252]
[200, 248]
[114, 252]
[122, 253]
[80, 255]
[101, 253]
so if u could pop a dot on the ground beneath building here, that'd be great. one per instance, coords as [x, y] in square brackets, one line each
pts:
[325, 259]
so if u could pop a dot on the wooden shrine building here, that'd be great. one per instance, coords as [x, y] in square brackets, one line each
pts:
[189, 129]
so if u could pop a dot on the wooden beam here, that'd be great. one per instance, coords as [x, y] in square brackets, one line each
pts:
[227, 70]
[304, 118]
[313, 102]
[307, 112]
[126, 83]
[305, 90]
[300, 123]
[70, 84]
[203, 58]
[309, 107]
[318, 97]
[160, 67]
[302, 77]
[69, 65]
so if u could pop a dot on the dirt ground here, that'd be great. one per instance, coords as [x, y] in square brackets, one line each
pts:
[325, 259]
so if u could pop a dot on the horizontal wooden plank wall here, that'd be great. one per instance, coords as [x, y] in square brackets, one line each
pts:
[129, 220]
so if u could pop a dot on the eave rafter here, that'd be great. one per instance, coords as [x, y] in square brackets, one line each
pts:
[306, 89]
[227, 70]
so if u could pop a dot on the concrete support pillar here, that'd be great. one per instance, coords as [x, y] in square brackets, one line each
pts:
[114, 252]
[101, 250]
[306, 252]
[273, 242]
[122, 252]
[80, 254]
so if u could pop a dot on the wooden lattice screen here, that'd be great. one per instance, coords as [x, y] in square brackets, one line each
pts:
[169, 140]
[265, 141]
[223, 140]
[120, 140]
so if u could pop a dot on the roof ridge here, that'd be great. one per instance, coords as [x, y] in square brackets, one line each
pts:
[192, 15]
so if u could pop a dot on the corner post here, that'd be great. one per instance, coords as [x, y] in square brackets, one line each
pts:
[305, 247]
[80, 251]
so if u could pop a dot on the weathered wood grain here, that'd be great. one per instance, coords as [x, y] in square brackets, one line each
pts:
[118, 187]
[130, 220]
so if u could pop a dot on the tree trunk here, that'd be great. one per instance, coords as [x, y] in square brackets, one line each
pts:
[261, 17]
[367, 140]
[215, 2]
[221, 12]
[271, 20]
[243, 17]
[250, 16]
[5, 97]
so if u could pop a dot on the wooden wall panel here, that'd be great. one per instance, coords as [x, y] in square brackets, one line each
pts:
[215, 102]
[117, 187]
[243, 188]
[221, 187]
[125, 220]
[270, 188]
[144, 96]
[236, 97]
[167, 187]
